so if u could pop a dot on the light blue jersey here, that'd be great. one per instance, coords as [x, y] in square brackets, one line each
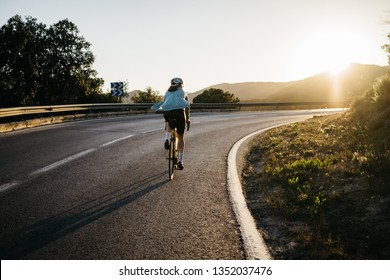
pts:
[172, 101]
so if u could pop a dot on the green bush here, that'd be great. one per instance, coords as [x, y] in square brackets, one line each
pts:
[216, 95]
[372, 111]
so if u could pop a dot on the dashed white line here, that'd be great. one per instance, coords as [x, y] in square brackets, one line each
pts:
[152, 130]
[9, 185]
[116, 140]
[54, 165]
[61, 162]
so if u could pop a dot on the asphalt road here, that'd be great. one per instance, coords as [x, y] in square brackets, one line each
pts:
[99, 189]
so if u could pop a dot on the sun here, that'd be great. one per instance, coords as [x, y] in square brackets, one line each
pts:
[338, 67]
[335, 54]
[329, 49]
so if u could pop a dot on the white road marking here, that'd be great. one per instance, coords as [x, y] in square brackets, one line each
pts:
[152, 130]
[116, 140]
[54, 165]
[61, 162]
[9, 185]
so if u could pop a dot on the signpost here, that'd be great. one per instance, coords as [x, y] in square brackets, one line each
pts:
[117, 89]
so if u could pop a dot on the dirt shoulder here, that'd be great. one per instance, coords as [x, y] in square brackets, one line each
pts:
[317, 191]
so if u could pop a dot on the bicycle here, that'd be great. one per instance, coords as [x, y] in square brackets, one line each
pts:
[172, 152]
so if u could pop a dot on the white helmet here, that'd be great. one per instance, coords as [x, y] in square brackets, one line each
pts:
[176, 82]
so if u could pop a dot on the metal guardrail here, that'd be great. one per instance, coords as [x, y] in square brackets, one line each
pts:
[38, 111]
[16, 118]
[59, 109]
[269, 105]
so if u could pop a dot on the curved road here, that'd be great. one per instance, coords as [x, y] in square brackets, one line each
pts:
[99, 189]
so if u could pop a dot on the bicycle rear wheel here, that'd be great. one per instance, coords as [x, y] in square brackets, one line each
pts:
[172, 158]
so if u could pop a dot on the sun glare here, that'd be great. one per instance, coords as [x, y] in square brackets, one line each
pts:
[329, 49]
[338, 67]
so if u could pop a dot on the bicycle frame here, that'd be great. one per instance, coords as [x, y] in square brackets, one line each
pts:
[172, 153]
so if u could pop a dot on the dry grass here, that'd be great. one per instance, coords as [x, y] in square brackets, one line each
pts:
[319, 189]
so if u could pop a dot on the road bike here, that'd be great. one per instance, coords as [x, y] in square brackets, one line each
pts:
[172, 152]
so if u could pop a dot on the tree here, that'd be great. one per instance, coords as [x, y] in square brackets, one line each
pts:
[41, 66]
[147, 96]
[21, 54]
[216, 95]
[386, 48]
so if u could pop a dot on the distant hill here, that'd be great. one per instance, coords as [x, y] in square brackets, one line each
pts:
[353, 82]
[130, 94]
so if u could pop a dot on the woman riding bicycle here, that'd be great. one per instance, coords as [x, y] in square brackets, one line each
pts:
[175, 106]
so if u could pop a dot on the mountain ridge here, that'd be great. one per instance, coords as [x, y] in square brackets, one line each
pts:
[323, 87]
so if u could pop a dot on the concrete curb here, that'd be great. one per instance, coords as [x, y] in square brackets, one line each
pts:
[254, 244]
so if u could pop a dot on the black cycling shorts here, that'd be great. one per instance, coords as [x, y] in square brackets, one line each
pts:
[179, 117]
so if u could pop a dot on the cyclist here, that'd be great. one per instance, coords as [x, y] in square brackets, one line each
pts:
[175, 106]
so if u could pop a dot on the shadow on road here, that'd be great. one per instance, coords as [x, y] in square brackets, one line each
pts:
[19, 244]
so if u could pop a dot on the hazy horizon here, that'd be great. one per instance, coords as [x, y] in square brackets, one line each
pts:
[206, 43]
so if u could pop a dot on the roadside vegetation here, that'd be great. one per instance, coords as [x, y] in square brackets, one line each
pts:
[320, 189]
[216, 95]
[148, 95]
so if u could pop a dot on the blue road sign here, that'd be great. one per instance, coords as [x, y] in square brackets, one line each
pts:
[117, 89]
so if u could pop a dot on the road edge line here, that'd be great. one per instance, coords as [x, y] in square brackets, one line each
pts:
[254, 244]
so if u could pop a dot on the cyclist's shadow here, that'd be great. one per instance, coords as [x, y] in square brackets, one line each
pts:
[31, 238]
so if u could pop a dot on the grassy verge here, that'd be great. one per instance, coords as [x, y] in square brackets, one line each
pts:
[320, 189]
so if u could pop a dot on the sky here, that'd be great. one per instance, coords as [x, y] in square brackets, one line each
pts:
[207, 42]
